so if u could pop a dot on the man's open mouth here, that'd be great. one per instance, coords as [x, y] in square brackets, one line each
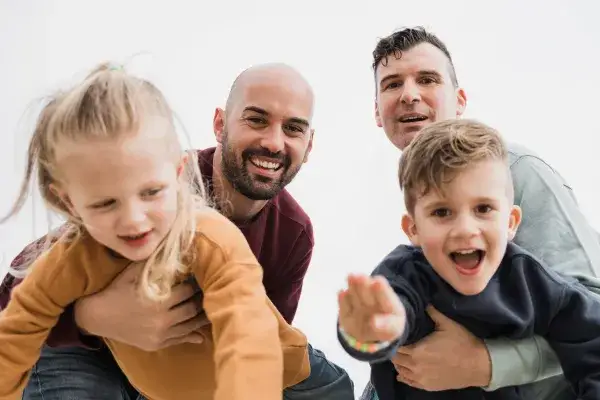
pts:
[265, 164]
[408, 118]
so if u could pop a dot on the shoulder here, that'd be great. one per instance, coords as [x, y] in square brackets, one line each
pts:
[534, 176]
[217, 231]
[532, 268]
[524, 162]
[291, 215]
[404, 260]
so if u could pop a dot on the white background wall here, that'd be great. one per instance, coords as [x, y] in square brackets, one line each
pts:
[530, 68]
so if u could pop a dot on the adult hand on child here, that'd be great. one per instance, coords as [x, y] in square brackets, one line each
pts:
[120, 313]
[432, 364]
[370, 311]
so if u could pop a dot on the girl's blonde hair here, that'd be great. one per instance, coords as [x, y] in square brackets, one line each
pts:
[110, 103]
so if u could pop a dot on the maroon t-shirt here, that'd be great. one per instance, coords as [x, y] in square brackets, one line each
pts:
[280, 236]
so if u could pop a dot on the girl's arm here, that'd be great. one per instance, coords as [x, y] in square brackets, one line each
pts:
[248, 350]
[55, 280]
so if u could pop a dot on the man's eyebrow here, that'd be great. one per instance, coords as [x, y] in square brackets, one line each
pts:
[430, 72]
[388, 78]
[300, 121]
[296, 120]
[257, 110]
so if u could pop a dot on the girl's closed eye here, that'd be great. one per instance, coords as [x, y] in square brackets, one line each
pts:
[152, 192]
[102, 205]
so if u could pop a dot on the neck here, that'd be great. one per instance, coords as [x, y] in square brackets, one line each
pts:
[233, 204]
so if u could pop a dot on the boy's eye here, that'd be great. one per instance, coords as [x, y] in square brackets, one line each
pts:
[441, 212]
[484, 208]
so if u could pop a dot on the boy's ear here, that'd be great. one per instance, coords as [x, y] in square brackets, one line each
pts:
[410, 229]
[514, 220]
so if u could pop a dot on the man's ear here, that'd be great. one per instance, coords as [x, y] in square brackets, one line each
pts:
[377, 116]
[219, 124]
[410, 229]
[514, 221]
[310, 145]
[60, 194]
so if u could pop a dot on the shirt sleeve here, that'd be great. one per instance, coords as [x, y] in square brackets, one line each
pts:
[248, 355]
[286, 295]
[554, 230]
[33, 310]
[413, 296]
[65, 332]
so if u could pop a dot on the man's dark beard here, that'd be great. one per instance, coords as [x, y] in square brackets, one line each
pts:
[237, 172]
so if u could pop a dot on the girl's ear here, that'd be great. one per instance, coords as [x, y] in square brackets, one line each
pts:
[63, 197]
[181, 166]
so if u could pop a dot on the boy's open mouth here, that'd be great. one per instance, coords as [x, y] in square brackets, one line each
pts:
[467, 262]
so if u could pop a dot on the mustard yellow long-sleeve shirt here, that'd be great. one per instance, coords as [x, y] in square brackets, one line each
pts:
[250, 351]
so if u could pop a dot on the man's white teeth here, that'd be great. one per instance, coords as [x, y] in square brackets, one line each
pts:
[265, 164]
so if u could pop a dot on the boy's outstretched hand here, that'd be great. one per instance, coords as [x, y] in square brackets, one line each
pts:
[370, 311]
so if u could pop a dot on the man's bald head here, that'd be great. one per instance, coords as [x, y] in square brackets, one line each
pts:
[266, 130]
[272, 73]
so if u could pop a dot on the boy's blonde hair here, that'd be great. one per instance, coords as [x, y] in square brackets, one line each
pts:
[443, 149]
[110, 103]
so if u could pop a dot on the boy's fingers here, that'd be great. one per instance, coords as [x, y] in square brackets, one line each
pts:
[384, 295]
[353, 294]
[364, 292]
[344, 303]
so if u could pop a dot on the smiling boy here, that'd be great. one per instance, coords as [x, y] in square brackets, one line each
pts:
[461, 219]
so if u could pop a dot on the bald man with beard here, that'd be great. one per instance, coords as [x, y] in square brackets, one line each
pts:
[264, 136]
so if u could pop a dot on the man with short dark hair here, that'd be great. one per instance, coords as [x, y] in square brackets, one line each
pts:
[416, 84]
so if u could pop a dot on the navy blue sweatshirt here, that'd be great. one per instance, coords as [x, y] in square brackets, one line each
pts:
[523, 298]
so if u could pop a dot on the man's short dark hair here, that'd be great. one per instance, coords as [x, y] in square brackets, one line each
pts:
[404, 40]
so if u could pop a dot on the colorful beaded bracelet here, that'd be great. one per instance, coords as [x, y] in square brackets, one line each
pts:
[365, 347]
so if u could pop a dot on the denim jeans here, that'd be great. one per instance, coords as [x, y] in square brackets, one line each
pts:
[74, 373]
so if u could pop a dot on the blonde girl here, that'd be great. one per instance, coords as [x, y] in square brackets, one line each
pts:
[107, 157]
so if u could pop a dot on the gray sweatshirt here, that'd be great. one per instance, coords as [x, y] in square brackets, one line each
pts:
[554, 230]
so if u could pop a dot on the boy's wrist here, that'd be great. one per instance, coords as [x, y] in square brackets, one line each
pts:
[364, 347]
